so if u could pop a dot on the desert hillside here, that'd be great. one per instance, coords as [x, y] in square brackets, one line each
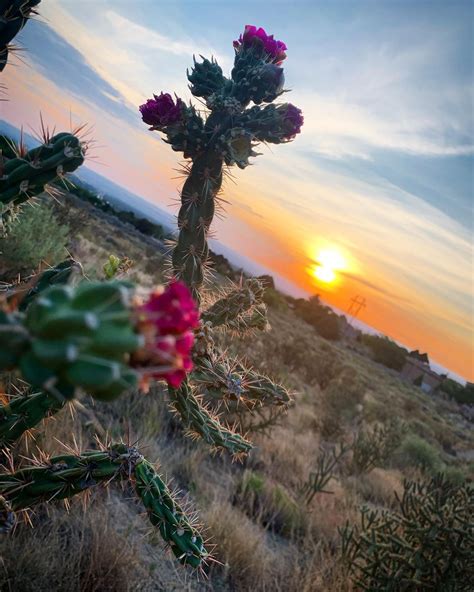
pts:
[275, 519]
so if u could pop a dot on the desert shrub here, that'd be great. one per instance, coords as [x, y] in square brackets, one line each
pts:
[275, 299]
[385, 351]
[318, 366]
[325, 470]
[319, 316]
[425, 544]
[454, 475]
[376, 445]
[341, 400]
[417, 452]
[33, 237]
[464, 395]
[270, 504]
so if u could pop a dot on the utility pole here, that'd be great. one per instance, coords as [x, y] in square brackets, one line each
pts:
[356, 305]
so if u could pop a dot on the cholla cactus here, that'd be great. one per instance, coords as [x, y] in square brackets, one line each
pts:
[225, 135]
[32, 172]
[427, 544]
[14, 15]
[66, 475]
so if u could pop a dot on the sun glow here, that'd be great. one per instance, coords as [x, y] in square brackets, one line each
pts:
[329, 261]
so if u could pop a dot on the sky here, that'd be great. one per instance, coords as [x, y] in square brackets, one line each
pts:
[382, 171]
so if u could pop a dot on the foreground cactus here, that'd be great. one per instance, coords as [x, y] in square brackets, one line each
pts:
[66, 475]
[14, 15]
[31, 172]
[227, 136]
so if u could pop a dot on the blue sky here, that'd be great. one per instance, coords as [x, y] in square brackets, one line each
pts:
[382, 171]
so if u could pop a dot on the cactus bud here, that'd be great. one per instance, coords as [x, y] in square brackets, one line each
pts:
[161, 111]
[206, 78]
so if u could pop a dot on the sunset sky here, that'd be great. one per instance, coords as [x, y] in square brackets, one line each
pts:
[382, 173]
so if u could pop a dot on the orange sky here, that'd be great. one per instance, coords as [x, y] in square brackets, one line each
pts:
[407, 258]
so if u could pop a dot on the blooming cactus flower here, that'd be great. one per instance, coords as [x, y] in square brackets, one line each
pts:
[253, 37]
[161, 110]
[292, 121]
[166, 320]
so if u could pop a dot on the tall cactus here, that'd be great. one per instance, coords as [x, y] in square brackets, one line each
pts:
[225, 136]
[14, 15]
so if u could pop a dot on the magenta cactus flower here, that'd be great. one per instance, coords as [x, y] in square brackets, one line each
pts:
[166, 321]
[253, 37]
[293, 121]
[161, 111]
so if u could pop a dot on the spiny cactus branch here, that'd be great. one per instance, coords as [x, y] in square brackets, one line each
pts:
[198, 420]
[66, 475]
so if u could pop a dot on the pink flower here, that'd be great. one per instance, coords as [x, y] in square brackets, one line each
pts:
[253, 37]
[167, 320]
[161, 110]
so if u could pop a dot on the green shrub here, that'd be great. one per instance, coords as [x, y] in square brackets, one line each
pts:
[374, 447]
[319, 316]
[385, 351]
[417, 452]
[459, 393]
[32, 238]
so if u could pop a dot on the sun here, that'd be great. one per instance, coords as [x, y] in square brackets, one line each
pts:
[328, 262]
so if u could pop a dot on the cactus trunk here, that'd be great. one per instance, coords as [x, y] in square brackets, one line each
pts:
[194, 219]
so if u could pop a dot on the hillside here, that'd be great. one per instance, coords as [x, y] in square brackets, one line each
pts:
[270, 533]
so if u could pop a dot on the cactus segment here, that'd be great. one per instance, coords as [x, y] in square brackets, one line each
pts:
[14, 15]
[24, 413]
[26, 176]
[236, 303]
[59, 274]
[222, 378]
[194, 219]
[198, 420]
[165, 513]
[66, 475]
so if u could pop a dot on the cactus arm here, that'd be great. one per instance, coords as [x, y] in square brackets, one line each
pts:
[26, 176]
[14, 15]
[236, 303]
[24, 413]
[222, 378]
[165, 513]
[198, 420]
[60, 274]
[64, 476]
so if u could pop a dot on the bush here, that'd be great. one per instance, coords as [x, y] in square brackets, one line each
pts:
[426, 544]
[464, 395]
[319, 316]
[33, 237]
[374, 447]
[385, 351]
[416, 452]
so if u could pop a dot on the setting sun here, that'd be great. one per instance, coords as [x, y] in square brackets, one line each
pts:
[328, 262]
